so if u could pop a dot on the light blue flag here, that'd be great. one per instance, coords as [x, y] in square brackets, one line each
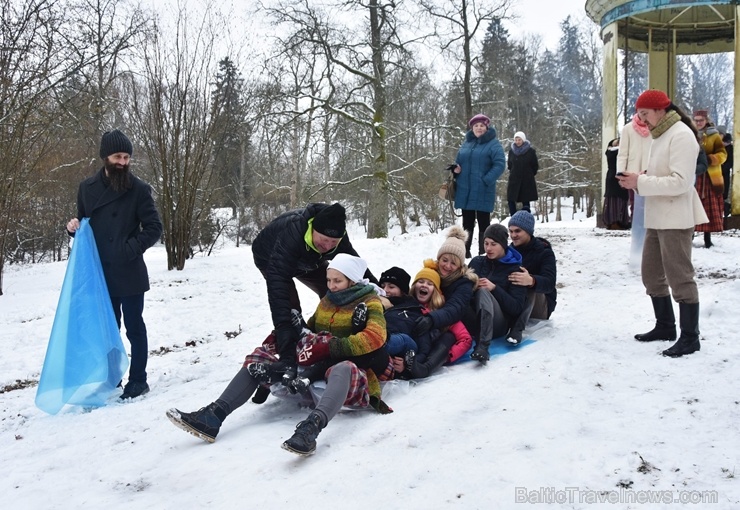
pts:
[85, 359]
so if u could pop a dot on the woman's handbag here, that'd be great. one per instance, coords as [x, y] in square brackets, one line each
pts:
[447, 190]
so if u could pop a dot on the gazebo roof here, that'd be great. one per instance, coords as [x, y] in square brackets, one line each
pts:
[699, 26]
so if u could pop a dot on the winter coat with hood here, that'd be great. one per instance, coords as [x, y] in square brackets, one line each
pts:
[512, 298]
[482, 162]
[282, 251]
[125, 224]
[523, 165]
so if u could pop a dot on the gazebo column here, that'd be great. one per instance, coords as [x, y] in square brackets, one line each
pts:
[735, 190]
[662, 67]
[609, 128]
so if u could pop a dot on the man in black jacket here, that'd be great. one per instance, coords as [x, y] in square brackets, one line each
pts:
[538, 272]
[298, 244]
[125, 224]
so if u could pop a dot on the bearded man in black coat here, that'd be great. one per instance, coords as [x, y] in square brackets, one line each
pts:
[125, 223]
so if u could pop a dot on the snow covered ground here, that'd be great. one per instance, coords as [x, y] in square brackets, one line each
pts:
[585, 417]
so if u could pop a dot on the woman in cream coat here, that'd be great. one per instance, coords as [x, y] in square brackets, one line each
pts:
[672, 210]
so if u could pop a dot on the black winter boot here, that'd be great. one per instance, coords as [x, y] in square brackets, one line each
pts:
[204, 423]
[303, 441]
[708, 240]
[514, 337]
[261, 394]
[665, 321]
[480, 353]
[437, 357]
[688, 342]
[468, 244]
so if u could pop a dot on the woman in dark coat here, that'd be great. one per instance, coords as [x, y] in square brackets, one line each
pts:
[616, 199]
[479, 163]
[523, 166]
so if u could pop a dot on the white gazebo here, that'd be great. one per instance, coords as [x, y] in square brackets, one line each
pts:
[664, 29]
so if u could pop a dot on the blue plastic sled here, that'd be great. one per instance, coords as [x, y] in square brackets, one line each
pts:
[498, 346]
[85, 359]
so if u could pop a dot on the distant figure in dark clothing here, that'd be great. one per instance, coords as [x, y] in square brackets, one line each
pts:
[727, 170]
[616, 214]
[523, 165]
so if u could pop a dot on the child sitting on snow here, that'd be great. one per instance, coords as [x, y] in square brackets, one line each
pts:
[447, 345]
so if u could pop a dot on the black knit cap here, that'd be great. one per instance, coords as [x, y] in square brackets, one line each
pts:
[113, 142]
[397, 277]
[331, 221]
[498, 233]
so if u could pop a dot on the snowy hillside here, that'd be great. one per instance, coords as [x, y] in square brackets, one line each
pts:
[585, 417]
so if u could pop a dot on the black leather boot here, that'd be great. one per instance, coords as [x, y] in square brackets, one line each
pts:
[665, 321]
[468, 244]
[688, 342]
[437, 357]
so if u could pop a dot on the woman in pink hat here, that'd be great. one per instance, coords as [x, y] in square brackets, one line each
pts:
[479, 163]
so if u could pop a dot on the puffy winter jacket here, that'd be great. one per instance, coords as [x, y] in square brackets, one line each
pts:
[511, 297]
[281, 254]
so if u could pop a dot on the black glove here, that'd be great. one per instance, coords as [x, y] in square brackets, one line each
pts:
[423, 325]
[359, 318]
[452, 167]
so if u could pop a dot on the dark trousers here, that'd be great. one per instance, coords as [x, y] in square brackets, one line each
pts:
[512, 207]
[133, 309]
[468, 223]
[535, 307]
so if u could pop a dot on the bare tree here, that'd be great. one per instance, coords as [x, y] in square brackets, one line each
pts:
[106, 32]
[459, 24]
[357, 66]
[171, 111]
[34, 60]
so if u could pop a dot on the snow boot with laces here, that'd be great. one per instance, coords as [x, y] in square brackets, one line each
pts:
[203, 423]
[303, 441]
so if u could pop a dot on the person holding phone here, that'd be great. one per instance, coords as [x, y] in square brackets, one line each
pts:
[672, 210]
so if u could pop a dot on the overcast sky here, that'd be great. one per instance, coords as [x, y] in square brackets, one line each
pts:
[544, 18]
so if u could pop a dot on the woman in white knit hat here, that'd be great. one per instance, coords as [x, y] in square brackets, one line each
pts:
[522, 164]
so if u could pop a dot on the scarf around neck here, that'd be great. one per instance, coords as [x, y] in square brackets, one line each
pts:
[641, 128]
[520, 150]
[664, 124]
[346, 296]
